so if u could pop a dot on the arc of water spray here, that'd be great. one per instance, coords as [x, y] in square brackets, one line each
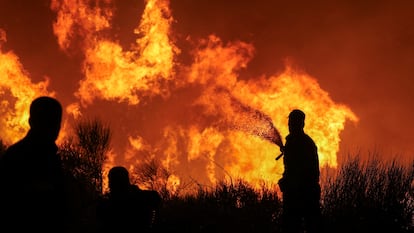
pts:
[252, 121]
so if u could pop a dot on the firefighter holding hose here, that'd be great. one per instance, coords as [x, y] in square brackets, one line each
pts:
[300, 180]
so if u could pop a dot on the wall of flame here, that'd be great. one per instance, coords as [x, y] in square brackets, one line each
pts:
[199, 119]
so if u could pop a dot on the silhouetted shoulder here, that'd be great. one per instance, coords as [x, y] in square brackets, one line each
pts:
[149, 198]
[14, 156]
[153, 197]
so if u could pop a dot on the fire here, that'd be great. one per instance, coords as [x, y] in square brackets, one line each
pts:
[17, 92]
[75, 19]
[200, 120]
[293, 89]
[112, 73]
[232, 102]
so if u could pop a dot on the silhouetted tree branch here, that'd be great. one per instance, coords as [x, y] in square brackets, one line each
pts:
[85, 155]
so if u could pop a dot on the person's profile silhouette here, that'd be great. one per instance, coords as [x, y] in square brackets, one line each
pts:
[45, 118]
[31, 174]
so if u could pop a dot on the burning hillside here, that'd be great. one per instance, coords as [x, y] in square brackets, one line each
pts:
[198, 118]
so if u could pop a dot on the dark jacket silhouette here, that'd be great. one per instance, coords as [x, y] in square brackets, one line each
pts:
[300, 180]
[127, 208]
[31, 175]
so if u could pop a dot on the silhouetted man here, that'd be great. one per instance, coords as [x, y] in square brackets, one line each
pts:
[126, 208]
[31, 176]
[300, 180]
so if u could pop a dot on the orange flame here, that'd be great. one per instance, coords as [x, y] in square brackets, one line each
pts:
[216, 126]
[17, 92]
[110, 72]
[76, 20]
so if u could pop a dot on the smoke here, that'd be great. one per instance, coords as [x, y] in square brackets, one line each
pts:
[3, 37]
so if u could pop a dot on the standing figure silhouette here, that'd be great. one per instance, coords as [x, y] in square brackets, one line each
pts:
[126, 208]
[300, 181]
[31, 175]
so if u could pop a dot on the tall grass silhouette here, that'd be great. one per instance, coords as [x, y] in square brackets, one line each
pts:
[370, 196]
[361, 195]
[229, 207]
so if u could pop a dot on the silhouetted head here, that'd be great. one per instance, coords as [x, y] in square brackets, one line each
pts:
[45, 118]
[296, 121]
[118, 178]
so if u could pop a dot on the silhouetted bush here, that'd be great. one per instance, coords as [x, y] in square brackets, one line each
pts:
[83, 158]
[84, 155]
[369, 196]
[229, 207]
[359, 196]
[151, 175]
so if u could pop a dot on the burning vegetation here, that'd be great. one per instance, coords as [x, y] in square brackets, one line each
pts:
[197, 118]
